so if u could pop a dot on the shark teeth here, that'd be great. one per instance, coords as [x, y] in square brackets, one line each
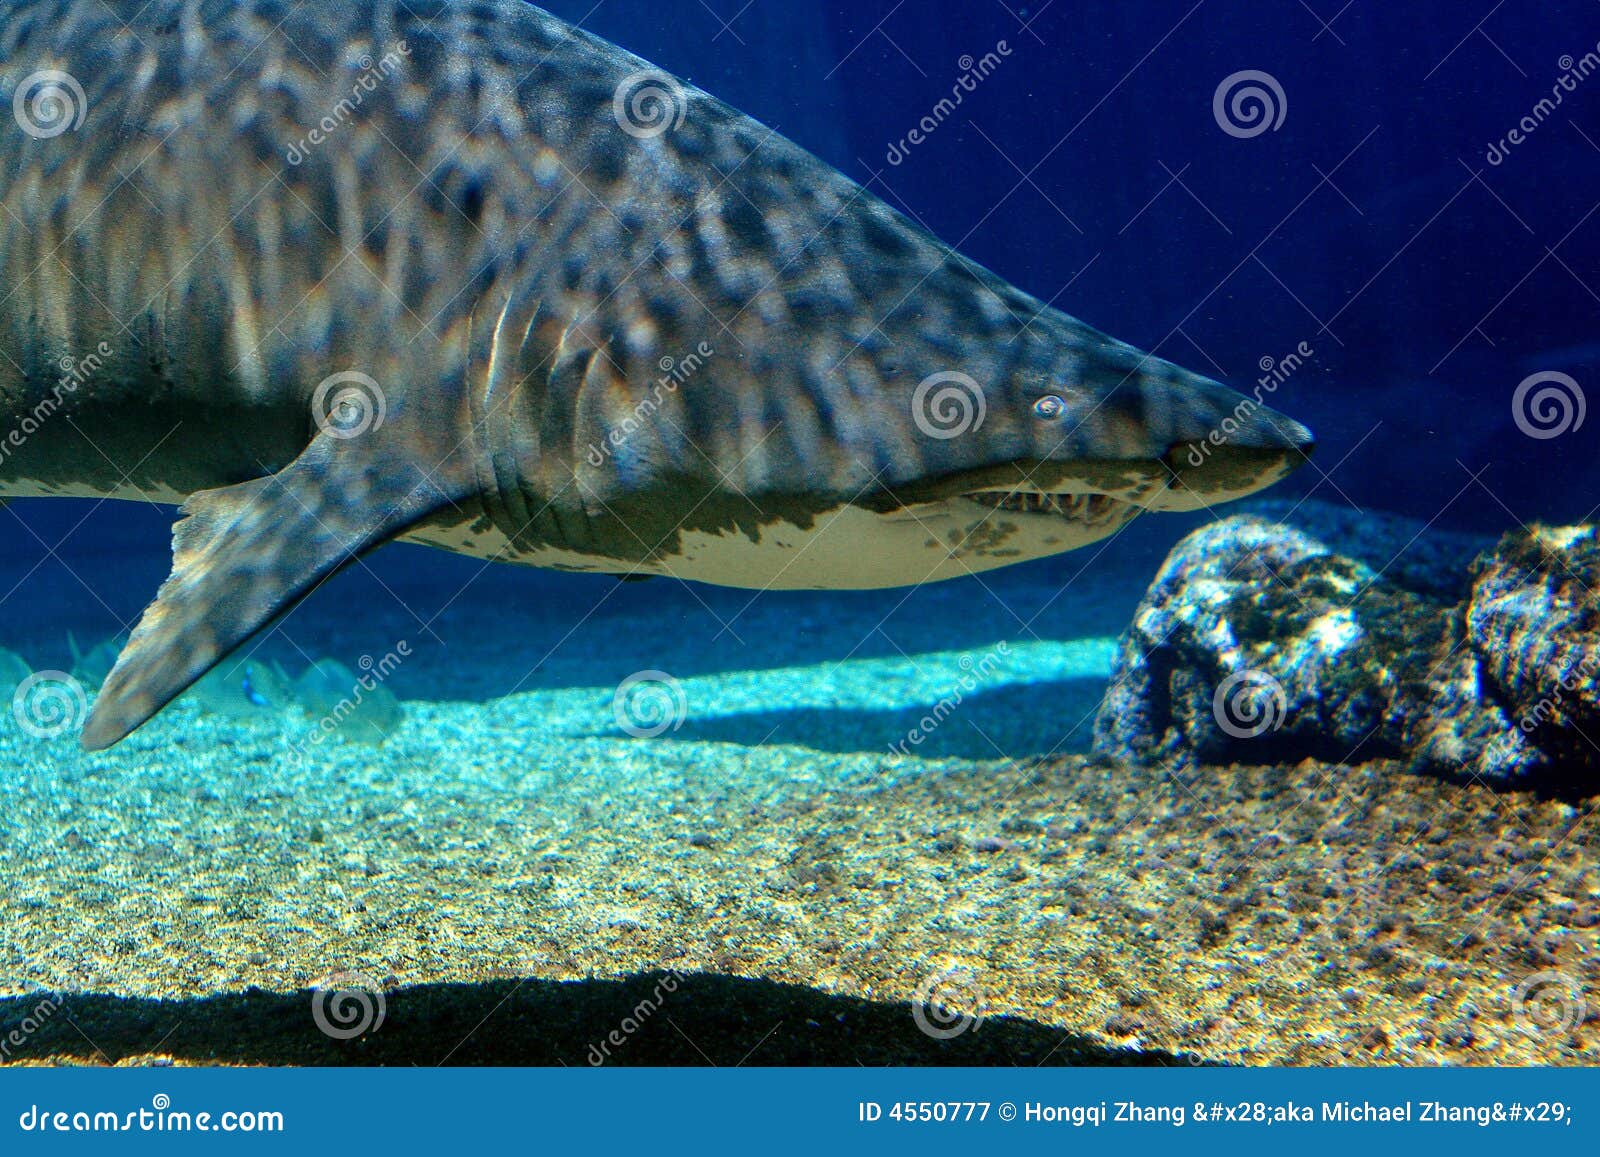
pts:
[1093, 509]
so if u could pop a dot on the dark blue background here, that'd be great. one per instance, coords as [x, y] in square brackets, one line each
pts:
[1090, 166]
[1428, 281]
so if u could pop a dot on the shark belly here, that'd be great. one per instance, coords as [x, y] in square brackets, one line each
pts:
[847, 548]
[33, 488]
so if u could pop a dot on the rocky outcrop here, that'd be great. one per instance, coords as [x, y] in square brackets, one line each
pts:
[1259, 642]
[1532, 619]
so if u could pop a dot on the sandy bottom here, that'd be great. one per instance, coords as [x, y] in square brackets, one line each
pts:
[1305, 915]
[855, 803]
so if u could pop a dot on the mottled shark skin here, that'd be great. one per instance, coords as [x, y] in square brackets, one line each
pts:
[333, 274]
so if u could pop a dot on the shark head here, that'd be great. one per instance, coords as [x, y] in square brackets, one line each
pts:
[919, 460]
[1072, 439]
[1066, 450]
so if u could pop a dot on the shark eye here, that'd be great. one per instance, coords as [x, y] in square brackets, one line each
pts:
[1049, 408]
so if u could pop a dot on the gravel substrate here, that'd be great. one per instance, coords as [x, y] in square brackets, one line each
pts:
[185, 892]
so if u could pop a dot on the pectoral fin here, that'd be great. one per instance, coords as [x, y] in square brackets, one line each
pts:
[245, 553]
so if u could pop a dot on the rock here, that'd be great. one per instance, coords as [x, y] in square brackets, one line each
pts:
[242, 689]
[1532, 621]
[1258, 643]
[1408, 553]
[92, 666]
[358, 709]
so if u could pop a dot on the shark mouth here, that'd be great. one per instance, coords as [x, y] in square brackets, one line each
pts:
[1089, 509]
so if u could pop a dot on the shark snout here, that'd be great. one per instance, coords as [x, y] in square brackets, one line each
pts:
[1228, 445]
[1162, 439]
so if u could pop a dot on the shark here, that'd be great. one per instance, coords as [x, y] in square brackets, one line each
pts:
[459, 273]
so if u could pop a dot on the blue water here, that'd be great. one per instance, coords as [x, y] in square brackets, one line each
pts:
[1384, 231]
[1390, 233]
[1089, 169]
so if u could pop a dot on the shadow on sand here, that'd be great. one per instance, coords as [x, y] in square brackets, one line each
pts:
[1010, 722]
[659, 1019]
